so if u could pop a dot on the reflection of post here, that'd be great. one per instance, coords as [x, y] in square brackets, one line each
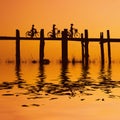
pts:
[109, 71]
[17, 47]
[18, 75]
[41, 76]
[86, 47]
[85, 72]
[82, 44]
[109, 50]
[105, 75]
[102, 71]
[64, 46]
[66, 84]
[41, 70]
[42, 43]
[64, 71]
[102, 48]
[105, 84]
[18, 71]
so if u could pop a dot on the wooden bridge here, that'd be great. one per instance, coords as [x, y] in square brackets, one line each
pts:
[64, 40]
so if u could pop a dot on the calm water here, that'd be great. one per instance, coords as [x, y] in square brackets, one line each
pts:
[54, 92]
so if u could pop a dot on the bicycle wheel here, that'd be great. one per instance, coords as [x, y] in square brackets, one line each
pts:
[77, 35]
[37, 35]
[69, 34]
[28, 34]
[49, 34]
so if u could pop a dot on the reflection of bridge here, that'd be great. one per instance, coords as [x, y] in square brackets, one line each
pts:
[83, 86]
[84, 45]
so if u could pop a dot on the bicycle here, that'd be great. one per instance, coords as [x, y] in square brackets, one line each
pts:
[32, 35]
[76, 34]
[51, 35]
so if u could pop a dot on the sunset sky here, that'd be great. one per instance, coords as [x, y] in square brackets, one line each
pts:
[95, 15]
[27, 84]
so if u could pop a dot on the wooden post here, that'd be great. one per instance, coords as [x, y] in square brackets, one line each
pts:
[109, 49]
[42, 43]
[17, 47]
[82, 45]
[102, 48]
[86, 47]
[64, 46]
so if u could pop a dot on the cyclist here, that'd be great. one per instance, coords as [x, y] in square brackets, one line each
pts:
[33, 31]
[54, 33]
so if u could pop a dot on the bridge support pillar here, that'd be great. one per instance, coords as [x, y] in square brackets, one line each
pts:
[109, 49]
[42, 44]
[17, 47]
[102, 48]
[64, 46]
[86, 48]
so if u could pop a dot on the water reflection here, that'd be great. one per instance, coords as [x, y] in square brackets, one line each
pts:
[84, 86]
[105, 74]
[18, 74]
[41, 77]
[85, 71]
[107, 85]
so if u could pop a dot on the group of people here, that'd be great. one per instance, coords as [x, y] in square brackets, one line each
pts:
[34, 31]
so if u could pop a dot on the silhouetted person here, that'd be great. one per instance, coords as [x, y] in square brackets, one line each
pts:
[33, 31]
[71, 31]
[54, 31]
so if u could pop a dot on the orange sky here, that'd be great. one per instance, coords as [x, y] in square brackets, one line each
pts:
[95, 15]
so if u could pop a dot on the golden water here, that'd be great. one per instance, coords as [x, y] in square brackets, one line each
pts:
[71, 92]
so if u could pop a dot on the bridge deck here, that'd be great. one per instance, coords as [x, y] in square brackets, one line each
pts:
[70, 39]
